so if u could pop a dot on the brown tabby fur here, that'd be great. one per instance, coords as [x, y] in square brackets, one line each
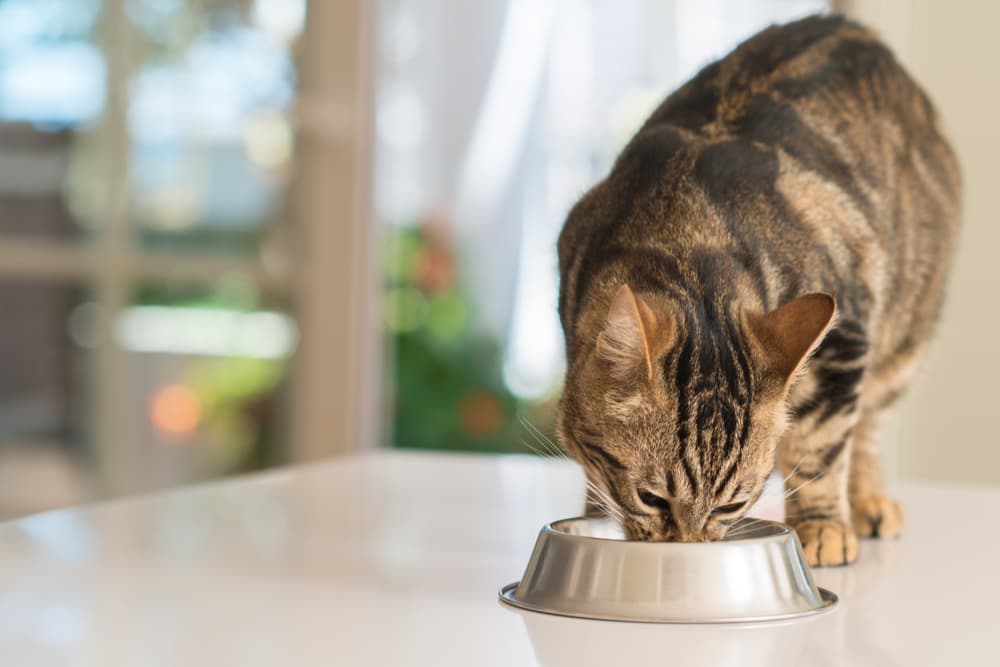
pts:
[698, 287]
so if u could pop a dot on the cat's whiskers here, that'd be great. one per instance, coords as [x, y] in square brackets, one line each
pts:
[550, 448]
[536, 450]
[743, 528]
[792, 472]
[789, 494]
[605, 502]
[606, 510]
[771, 502]
[544, 446]
[540, 446]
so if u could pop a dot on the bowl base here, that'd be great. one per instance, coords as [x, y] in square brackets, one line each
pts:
[829, 598]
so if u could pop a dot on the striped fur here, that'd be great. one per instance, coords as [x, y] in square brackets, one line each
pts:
[806, 161]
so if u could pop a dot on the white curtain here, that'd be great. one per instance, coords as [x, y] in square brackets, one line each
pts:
[503, 112]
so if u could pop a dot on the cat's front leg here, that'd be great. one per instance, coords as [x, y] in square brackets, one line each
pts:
[816, 468]
[874, 513]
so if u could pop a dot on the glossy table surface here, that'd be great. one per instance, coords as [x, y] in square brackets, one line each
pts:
[395, 559]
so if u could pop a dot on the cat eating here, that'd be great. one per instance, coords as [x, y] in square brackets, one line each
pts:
[753, 286]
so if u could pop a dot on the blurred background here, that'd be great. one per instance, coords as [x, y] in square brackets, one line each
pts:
[242, 233]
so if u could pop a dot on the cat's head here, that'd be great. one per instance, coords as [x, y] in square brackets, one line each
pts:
[676, 413]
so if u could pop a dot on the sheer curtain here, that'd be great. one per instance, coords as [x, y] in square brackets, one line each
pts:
[496, 116]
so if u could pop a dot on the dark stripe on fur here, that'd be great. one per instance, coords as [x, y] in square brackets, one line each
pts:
[682, 377]
[689, 473]
[727, 475]
[833, 452]
[837, 392]
[843, 345]
[608, 458]
[746, 398]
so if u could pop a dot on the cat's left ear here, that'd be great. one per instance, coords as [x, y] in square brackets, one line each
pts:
[787, 336]
[634, 335]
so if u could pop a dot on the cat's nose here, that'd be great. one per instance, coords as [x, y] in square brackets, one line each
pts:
[692, 534]
[692, 526]
[688, 537]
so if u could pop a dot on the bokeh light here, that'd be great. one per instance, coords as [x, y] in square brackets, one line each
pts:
[175, 411]
[268, 141]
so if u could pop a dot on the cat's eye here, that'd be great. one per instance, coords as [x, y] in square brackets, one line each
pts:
[728, 509]
[653, 500]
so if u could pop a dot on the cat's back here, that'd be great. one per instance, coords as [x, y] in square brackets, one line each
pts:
[815, 64]
[825, 91]
[810, 144]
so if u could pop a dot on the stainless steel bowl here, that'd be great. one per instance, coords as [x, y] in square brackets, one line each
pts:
[584, 567]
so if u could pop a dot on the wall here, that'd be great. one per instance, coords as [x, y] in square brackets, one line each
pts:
[947, 429]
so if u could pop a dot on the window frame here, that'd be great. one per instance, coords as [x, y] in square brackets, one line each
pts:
[331, 283]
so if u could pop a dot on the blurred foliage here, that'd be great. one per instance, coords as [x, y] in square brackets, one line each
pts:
[240, 397]
[237, 396]
[447, 389]
[233, 291]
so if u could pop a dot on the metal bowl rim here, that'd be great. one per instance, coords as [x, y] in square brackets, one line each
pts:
[830, 600]
[782, 531]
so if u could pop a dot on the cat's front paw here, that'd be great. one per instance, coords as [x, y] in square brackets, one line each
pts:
[827, 542]
[876, 515]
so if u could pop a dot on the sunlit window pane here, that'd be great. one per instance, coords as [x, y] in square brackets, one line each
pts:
[209, 120]
[52, 95]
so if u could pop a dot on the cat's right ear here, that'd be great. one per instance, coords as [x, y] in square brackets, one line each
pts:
[633, 335]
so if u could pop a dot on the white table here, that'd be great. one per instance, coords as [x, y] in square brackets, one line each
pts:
[395, 559]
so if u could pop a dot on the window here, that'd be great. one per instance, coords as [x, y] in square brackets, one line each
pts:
[152, 220]
[493, 119]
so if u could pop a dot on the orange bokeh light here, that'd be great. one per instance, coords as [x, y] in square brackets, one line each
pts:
[175, 410]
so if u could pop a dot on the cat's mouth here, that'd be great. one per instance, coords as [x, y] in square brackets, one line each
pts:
[706, 533]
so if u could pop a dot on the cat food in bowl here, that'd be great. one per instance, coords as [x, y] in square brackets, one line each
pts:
[585, 567]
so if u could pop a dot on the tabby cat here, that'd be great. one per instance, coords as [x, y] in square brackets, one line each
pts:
[753, 285]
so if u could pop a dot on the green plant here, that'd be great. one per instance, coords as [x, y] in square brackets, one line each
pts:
[447, 390]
